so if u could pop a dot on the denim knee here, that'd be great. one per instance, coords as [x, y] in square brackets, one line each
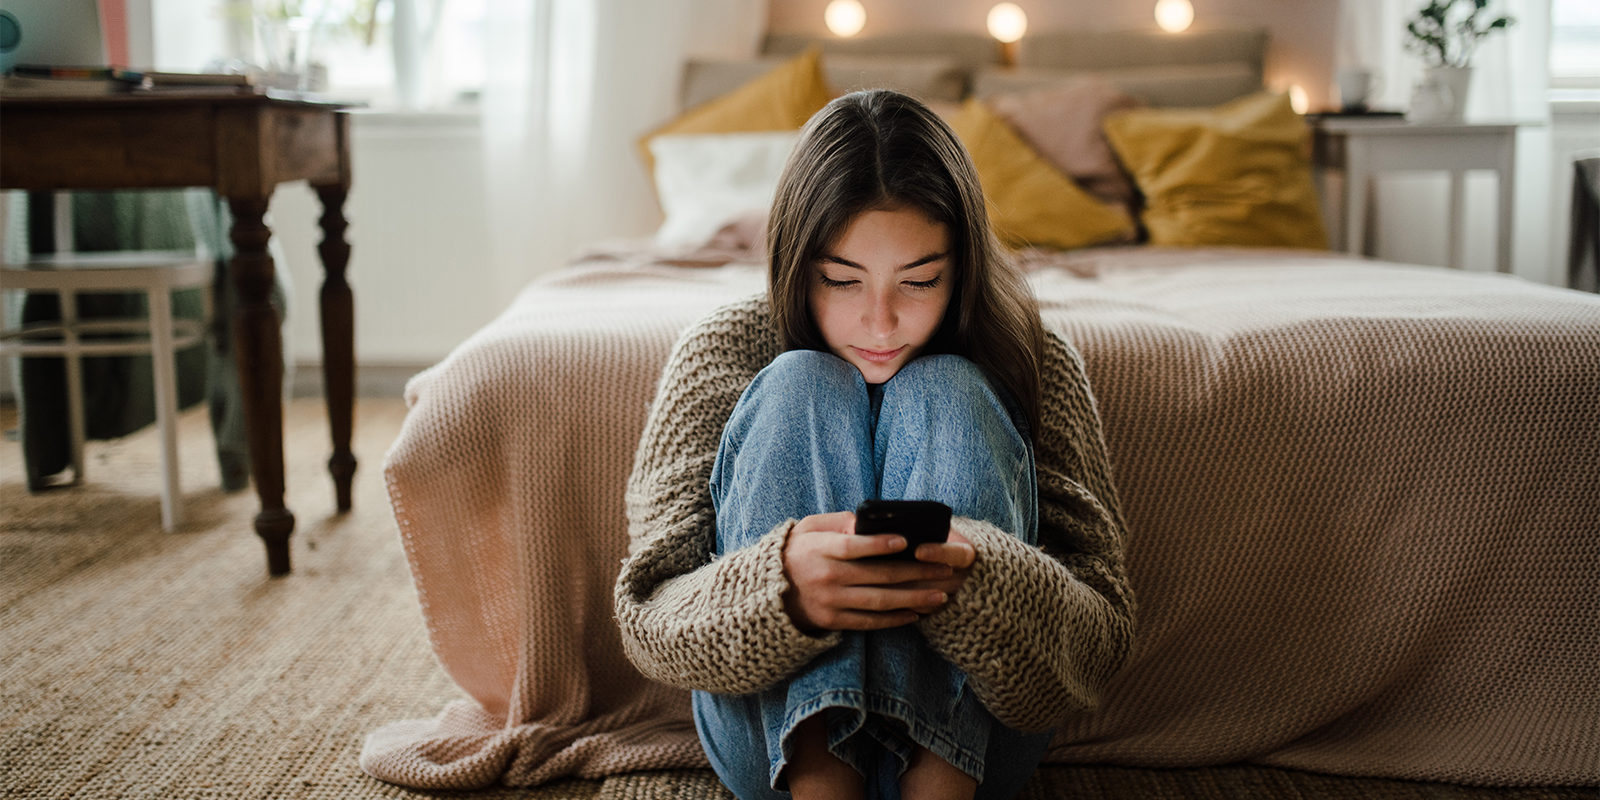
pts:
[946, 433]
[734, 739]
[945, 374]
[804, 372]
[799, 442]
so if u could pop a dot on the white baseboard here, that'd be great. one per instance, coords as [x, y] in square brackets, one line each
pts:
[372, 380]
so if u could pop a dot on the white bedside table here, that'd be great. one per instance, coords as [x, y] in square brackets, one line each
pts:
[1363, 147]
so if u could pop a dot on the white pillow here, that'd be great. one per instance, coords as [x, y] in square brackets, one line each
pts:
[706, 180]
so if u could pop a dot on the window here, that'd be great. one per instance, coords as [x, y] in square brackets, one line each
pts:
[357, 46]
[350, 44]
[1574, 49]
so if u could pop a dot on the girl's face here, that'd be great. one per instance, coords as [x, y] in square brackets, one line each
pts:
[879, 293]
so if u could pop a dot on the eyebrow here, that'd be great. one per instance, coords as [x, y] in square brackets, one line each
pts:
[927, 259]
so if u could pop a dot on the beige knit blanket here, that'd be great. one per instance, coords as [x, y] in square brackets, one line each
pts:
[1363, 504]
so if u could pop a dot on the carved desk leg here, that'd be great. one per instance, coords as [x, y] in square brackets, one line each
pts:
[338, 340]
[259, 349]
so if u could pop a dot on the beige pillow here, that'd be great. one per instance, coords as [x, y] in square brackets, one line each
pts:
[1064, 124]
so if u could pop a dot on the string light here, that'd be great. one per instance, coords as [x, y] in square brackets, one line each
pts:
[1007, 22]
[1174, 16]
[845, 17]
[1298, 99]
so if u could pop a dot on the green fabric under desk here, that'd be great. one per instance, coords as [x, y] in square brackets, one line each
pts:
[119, 391]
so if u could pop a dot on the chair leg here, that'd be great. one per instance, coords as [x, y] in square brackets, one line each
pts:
[166, 381]
[74, 365]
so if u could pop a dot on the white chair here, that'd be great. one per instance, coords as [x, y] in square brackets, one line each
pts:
[156, 274]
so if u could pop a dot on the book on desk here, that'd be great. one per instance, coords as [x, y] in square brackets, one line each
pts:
[59, 81]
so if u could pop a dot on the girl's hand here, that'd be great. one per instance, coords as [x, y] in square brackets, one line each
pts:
[956, 553]
[831, 589]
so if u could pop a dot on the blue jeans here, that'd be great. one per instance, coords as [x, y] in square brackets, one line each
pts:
[809, 436]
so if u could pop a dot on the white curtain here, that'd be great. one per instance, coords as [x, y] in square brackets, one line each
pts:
[572, 85]
[1511, 75]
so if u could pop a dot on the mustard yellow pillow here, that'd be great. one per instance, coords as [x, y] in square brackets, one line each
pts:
[1030, 201]
[780, 100]
[1236, 174]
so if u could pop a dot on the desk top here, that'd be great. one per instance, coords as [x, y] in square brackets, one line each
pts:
[175, 97]
[1398, 126]
[241, 144]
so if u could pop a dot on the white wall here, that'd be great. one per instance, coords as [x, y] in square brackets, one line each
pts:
[419, 252]
[1300, 51]
[185, 34]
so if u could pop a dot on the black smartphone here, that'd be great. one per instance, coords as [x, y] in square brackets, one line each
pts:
[918, 521]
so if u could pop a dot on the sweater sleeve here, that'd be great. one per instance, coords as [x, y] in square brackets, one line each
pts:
[1041, 630]
[687, 619]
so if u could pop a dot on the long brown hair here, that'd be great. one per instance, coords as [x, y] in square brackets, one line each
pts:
[881, 150]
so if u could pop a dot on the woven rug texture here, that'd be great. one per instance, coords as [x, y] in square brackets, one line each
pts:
[140, 664]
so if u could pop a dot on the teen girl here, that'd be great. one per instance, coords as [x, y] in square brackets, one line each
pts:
[897, 354]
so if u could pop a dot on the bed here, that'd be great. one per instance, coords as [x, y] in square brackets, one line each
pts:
[1363, 499]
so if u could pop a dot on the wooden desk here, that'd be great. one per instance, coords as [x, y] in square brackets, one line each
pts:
[243, 146]
[1364, 147]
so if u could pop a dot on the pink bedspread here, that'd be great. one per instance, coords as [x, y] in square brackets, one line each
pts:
[1363, 503]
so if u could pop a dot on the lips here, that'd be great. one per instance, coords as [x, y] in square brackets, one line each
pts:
[879, 356]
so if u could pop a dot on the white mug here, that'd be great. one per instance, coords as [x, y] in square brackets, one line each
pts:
[1355, 84]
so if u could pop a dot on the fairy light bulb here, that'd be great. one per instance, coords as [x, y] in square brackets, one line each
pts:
[845, 17]
[1007, 22]
[1174, 16]
[1298, 99]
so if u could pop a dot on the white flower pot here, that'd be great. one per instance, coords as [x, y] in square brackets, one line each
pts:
[1441, 95]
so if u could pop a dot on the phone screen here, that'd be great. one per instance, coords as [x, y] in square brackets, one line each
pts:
[918, 521]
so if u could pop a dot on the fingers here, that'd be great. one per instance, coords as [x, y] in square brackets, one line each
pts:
[851, 548]
[874, 608]
[871, 621]
[957, 555]
[835, 584]
[847, 554]
[957, 552]
[836, 522]
[881, 599]
[843, 574]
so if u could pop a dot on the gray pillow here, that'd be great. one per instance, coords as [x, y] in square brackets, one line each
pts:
[969, 50]
[927, 78]
[1195, 85]
[1116, 50]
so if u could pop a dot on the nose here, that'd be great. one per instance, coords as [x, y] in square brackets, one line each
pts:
[881, 318]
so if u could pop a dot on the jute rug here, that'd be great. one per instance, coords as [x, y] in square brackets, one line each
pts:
[140, 664]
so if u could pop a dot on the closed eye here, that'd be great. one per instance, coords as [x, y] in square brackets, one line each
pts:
[831, 283]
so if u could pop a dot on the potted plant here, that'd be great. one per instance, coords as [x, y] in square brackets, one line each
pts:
[1446, 33]
[286, 35]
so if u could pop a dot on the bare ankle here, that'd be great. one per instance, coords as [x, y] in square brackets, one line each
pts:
[814, 772]
[929, 777]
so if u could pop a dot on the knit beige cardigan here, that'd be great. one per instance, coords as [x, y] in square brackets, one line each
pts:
[1038, 630]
